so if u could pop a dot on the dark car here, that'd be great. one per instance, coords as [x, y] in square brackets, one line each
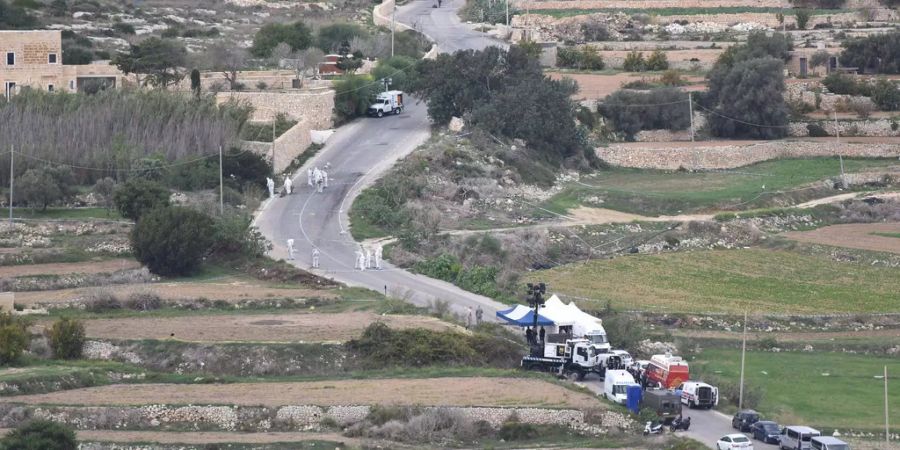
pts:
[766, 431]
[742, 420]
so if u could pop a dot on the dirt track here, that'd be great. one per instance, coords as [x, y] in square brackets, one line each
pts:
[295, 327]
[474, 391]
[229, 292]
[853, 236]
[86, 267]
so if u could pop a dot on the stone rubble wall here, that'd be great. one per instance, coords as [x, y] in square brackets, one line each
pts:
[642, 4]
[850, 128]
[288, 146]
[704, 157]
[284, 418]
[313, 105]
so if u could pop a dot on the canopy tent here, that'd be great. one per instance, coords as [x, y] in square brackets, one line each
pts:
[523, 316]
[569, 314]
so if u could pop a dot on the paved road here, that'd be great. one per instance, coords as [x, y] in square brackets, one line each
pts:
[707, 426]
[358, 154]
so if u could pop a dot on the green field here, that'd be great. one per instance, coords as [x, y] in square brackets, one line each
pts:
[65, 213]
[890, 235]
[728, 281]
[654, 192]
[795, 391]
[680, 11]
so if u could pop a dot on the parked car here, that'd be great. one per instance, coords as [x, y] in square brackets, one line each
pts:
[797, 437]
[828, 443]
[734, 442]
[743, 419]
[766, 431]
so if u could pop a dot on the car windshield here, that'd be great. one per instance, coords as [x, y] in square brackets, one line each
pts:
[740, 439]
[770, 428]
[751, 418]
[597, 338]
[619, 389]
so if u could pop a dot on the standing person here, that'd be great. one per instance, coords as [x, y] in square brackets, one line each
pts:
[315, 258]
[468, 317]
[270, 183]
[542, 333]
[288, 184]
[369, 262]
[529, 334]
[325, 177]
[309, 177]
[479, 313]
[378, 251]
[290, 244]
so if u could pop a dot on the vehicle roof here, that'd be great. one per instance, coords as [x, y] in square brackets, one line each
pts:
[829, 440]
[737, 435]
[766, 422]
[747, 411]
[802, 429]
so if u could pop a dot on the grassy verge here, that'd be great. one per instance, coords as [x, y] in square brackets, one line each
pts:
[654, 192]
[890, 235]
[729, 281]
[823, 390]
[67, 213]
[681, 11]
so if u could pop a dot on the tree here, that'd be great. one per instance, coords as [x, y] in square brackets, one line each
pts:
[819, 59]
[40, 435]
[195, 82]
[354, 95]
[400, 69]
[531, 48]
[595, 31]
[877, 52]
[172, 240]
[104, 189]
[45, 185]
[657, 61]
[886, 94]
[306, 61]
[159, 60]
[751, 101]
[667, 109]
[76, 56]
[228, 58]
[245, 167]
[138, 196]
[802, 15]
[634, 62]
[14, 337]
[332, 37]
[66, 338]
[297, 35]
[13, 17]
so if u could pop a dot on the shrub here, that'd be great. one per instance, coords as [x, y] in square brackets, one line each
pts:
[172, 240]
[15, 17]
[802, 15]
[842, 84]
[143, 301]
[331, 37]
[671, 78]
[297, 35]
[819, 59]
[624, 332]
[40, 435]
[632, 111]
[66, 338]
[104, 189]
[234, 235]
[816, 130]
[634, 62]
[878, 52]
[44, 186]
[101, 299]
[657, 61]
[14, 337]
[354, 95]
[138, 196]
[861, 106]
[595, 31]
[886, 94]
[586, 58]
[400, 69]
[517, 431]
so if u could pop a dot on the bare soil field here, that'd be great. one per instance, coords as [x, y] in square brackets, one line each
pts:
[476, 391]
[597, 86]
[861, 236]
[586, 215]
[293, 327]
[232, 292]
[85, 267]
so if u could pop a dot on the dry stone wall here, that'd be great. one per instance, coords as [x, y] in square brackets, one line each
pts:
[850, 128]
[314, 105]
[704, 157]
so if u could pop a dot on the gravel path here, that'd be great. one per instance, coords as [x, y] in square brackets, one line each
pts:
[451, 391]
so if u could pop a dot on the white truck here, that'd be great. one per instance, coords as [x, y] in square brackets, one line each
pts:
[615, 385]
[563, 356]
[697, 394]
[388, 102]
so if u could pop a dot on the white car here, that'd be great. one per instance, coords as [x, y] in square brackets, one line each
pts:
[734, 442]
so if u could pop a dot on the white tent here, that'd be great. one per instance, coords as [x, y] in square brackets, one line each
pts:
[563, 314]
[555, 310]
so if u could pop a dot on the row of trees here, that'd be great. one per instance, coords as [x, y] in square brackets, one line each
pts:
[878, 53]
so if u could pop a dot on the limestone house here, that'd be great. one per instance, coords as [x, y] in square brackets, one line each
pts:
[33, 59]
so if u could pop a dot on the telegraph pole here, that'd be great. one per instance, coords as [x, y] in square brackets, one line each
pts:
[743, 355]
[507, 13]
[691, 112]
[274, 119]
[837, 135]
[12, 158]
[887, 430]
[221, 186]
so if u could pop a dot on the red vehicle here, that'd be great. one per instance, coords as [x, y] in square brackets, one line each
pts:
[668, 371]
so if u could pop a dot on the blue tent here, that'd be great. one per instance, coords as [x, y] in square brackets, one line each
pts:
[523, 316]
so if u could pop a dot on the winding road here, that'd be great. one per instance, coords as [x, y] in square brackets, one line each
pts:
[357, 155]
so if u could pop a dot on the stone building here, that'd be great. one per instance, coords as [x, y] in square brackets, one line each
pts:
[33, 59]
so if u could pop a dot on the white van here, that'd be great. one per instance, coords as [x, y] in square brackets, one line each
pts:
[697, 394]
[615, 386]
[794, 435]
[827, 443]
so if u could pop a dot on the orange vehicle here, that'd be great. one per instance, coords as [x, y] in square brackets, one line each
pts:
[668, 371]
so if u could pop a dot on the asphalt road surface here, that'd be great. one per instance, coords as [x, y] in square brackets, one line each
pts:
[707, 426]
[357, 155]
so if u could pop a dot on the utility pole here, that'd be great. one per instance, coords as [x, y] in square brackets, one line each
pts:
[221, 186]
[887, 430]
[743, 355]
[691, 112]
[274, 119]
[12, 159]
[393, 10]
[507, 13]
[837, 135]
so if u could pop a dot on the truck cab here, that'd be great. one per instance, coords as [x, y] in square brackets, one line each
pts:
[564, 356]
[598, 340]
[388, 102]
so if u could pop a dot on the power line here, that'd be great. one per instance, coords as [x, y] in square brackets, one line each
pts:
[741, 121]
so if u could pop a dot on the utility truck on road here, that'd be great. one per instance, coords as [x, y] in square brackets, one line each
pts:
[388, 102]
[563, 356]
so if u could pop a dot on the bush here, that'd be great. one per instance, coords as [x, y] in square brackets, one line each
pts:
[172, 240]
[595, 31]
[876, 52]
[14, 337]
[354, 95]
[138, 196]
[40, 435]
[631, 111]
[143, 301]
[400, 69]
[14, 17]
[45, 186]
[816, 130]
[585, 58]
[886, 94]
[802, 15]
[66, 338]
[233, 235]
[842, 84]
[634, 62]
[297, 35]
[331, 37]
[657, 61]
[624, 332]
[671, 78]
[517, 431]
[101, 299]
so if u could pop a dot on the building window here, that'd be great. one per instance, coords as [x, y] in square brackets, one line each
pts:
[10, 59]
[51, 58]
[72, 85]
[50, 88]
